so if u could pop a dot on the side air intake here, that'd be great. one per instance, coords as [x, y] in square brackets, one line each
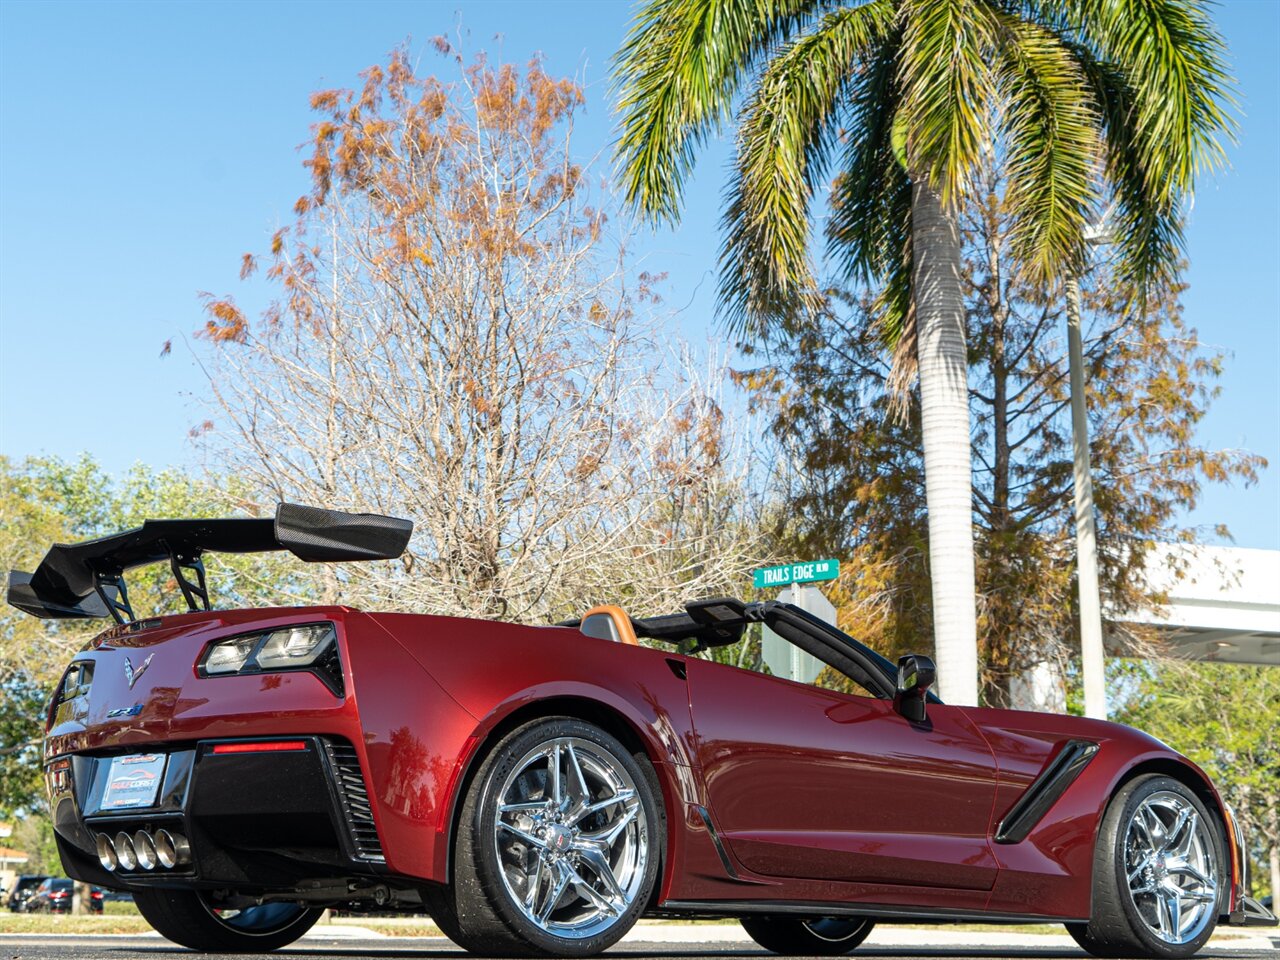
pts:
[354, 798]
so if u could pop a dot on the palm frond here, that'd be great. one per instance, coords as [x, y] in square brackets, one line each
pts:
[1145, 228]
[895, 318]
[871, 197]
[946, 89]
[787, 135]
[1051, 147]
[1175, 62]
[869, 232]
[678, 72]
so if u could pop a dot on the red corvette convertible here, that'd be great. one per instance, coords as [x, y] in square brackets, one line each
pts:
[537, 789]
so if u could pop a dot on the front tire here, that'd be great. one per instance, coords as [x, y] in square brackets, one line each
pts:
[559, 845]
[189, 918]
[812, 937]
[1158, 874]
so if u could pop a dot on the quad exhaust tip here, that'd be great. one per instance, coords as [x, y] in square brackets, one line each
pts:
[143, 850]
[107, 854]
[172, 849]
[125, 854]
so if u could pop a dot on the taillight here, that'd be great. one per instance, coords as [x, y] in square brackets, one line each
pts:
[311, 647]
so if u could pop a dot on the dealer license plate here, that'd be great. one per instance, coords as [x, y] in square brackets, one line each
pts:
[133, 781]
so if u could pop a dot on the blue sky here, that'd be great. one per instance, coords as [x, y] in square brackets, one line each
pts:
[145, 146]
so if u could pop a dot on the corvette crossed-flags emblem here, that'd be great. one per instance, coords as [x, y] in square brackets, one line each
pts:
[130, 674]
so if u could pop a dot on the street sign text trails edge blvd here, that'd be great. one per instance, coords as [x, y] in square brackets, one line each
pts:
[810, 571]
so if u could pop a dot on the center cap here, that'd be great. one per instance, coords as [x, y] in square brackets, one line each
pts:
[559, 837]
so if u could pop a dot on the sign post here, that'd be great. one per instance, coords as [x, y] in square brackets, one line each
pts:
[784, 658]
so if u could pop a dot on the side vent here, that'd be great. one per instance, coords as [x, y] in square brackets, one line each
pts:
[1052, 782]
[354, 797]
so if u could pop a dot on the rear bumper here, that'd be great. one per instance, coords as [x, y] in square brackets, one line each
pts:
[254, 821]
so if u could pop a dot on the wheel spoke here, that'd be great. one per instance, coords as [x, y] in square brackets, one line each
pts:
[1154, 827]
[1139, 826]
[533, 885]
[1162, 917]
[553, 774]
[553, 898]
[599, 864]
[622, 796]
[530, 806]
[1136, 872]
[614, 830]
[1186, 821]
[522, 834]
[1182, 868]
[1173, 904]
[584, 792]
[591, 893]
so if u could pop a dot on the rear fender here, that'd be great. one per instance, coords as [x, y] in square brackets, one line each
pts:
[592, 704]
[501, 673]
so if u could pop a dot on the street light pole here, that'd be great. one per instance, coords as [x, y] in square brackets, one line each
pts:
[1091, 655]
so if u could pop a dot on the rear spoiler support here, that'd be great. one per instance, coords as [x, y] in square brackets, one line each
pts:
[194, 591]
[111, 589]
[86, 580]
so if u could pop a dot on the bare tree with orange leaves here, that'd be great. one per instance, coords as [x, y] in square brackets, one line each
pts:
[458, 338]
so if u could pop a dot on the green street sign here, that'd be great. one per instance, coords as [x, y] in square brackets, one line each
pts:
[808, 572]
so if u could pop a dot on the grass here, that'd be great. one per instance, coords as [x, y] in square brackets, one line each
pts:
[11, 923]
[388, 926]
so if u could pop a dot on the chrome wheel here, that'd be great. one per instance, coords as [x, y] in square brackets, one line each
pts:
[837, 929]
[1172, 867]
[571, 837]
[807, 937]
[198, 920]
[258, 920]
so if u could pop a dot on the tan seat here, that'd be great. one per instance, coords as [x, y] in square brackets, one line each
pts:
[608, 622]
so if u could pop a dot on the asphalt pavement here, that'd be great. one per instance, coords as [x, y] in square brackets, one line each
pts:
[64, 947]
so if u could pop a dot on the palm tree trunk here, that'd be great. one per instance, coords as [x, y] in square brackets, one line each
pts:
[944, 409]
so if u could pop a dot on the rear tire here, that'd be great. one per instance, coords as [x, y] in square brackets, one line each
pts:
[1159, 874]
[811, 937]
[528, 847]
[187, 918]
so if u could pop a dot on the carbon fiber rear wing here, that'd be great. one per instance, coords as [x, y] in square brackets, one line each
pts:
[86, 580]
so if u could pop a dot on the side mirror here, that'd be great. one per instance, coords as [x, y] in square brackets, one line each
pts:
[916, 674]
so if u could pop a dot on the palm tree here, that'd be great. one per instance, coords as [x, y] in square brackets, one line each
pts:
[1082, 102]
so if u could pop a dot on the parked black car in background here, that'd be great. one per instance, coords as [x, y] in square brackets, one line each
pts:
[54, 896]
[23, 887]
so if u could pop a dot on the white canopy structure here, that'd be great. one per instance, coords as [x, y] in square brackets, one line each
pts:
[1223, 603]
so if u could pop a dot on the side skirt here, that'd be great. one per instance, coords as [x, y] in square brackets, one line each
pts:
[735, 908]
